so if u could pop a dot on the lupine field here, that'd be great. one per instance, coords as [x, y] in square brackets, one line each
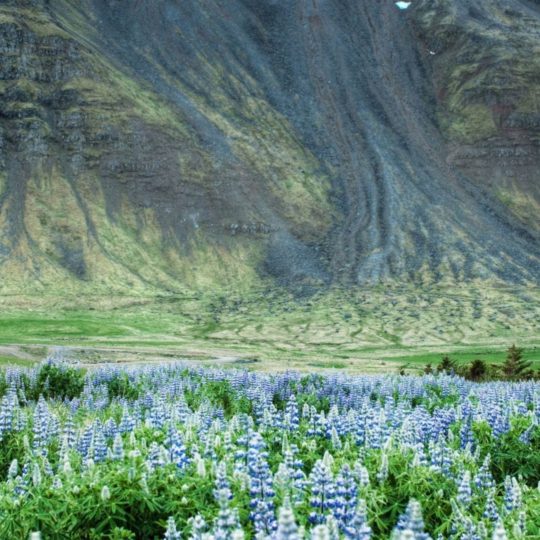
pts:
[175, 451]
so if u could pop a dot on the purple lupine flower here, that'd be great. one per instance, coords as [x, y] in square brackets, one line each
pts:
[412, 520]
[177, 450]
[227, 520]
[490, 509]
[346, 500]
[358, 528]
[464, 494]
[291, 417]
[484, 479]
[512, 494]
[172, 532]
[287, 529]
[117, 448]
[323, 492]
[260, 486]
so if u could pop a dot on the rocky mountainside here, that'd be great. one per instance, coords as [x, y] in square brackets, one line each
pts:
[164, 144]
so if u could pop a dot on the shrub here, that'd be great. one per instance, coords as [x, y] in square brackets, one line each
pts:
[477, 370]
[57, 381]
[447, 365]
[121, 386]
[220, 394]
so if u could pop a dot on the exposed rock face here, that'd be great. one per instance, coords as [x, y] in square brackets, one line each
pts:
[162, 143]
[486, 73]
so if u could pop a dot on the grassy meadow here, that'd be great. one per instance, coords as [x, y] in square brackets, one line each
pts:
[373, 330]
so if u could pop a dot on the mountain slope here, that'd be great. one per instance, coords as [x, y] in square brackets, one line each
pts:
[163, 145]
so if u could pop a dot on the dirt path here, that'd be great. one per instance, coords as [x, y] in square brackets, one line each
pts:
[16, 352]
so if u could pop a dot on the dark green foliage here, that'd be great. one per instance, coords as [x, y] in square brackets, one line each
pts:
[3, 384]
[220, 394]
[447, 365]
[516, 453]
[78, 511]
[57, 381]
[477, 370]
[401, 486]
[11, 447]
[515, 366]
[121, 386]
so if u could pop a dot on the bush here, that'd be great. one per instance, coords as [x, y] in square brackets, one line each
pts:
[121, 386]
[220, 394]
[447, 365]
[57, 381]
[477, 370]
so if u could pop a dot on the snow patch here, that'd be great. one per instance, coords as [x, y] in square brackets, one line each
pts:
[403, 5]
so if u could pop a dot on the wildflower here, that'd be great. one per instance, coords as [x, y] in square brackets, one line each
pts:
[323, 492]
[346, 496]
[490, 509]
[157, 456]
[512, 494]
[36, 474]
[118, 448]
[484, 479]
[291, 418]
[362, 474]
[260, 486]
[289, 476]
[105, 493]
[66, 464]
[287, 528]
[198, 527]
[13, 469]
[382, 475]
[334, 437]
[200, 465]
[520, 526]
[227, 519]
[171, 533]
[464, 494]
[100, 446]
[358, 528]
[412, 521]
[320, 532]
[333, 527]
[222, 482]
[499, 533]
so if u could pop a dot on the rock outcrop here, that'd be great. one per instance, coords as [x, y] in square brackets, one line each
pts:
[164, 145]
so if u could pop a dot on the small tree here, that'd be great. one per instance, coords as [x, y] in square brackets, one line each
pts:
[477, 370]
[447, 365]
[428, 370]
[515, 367]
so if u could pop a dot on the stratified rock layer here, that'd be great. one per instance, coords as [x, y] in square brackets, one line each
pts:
[162, 144]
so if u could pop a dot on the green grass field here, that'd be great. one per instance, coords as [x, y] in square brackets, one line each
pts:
[368, 330]
[14, 361]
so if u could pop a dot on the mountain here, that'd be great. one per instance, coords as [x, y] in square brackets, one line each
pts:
[167, 145]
